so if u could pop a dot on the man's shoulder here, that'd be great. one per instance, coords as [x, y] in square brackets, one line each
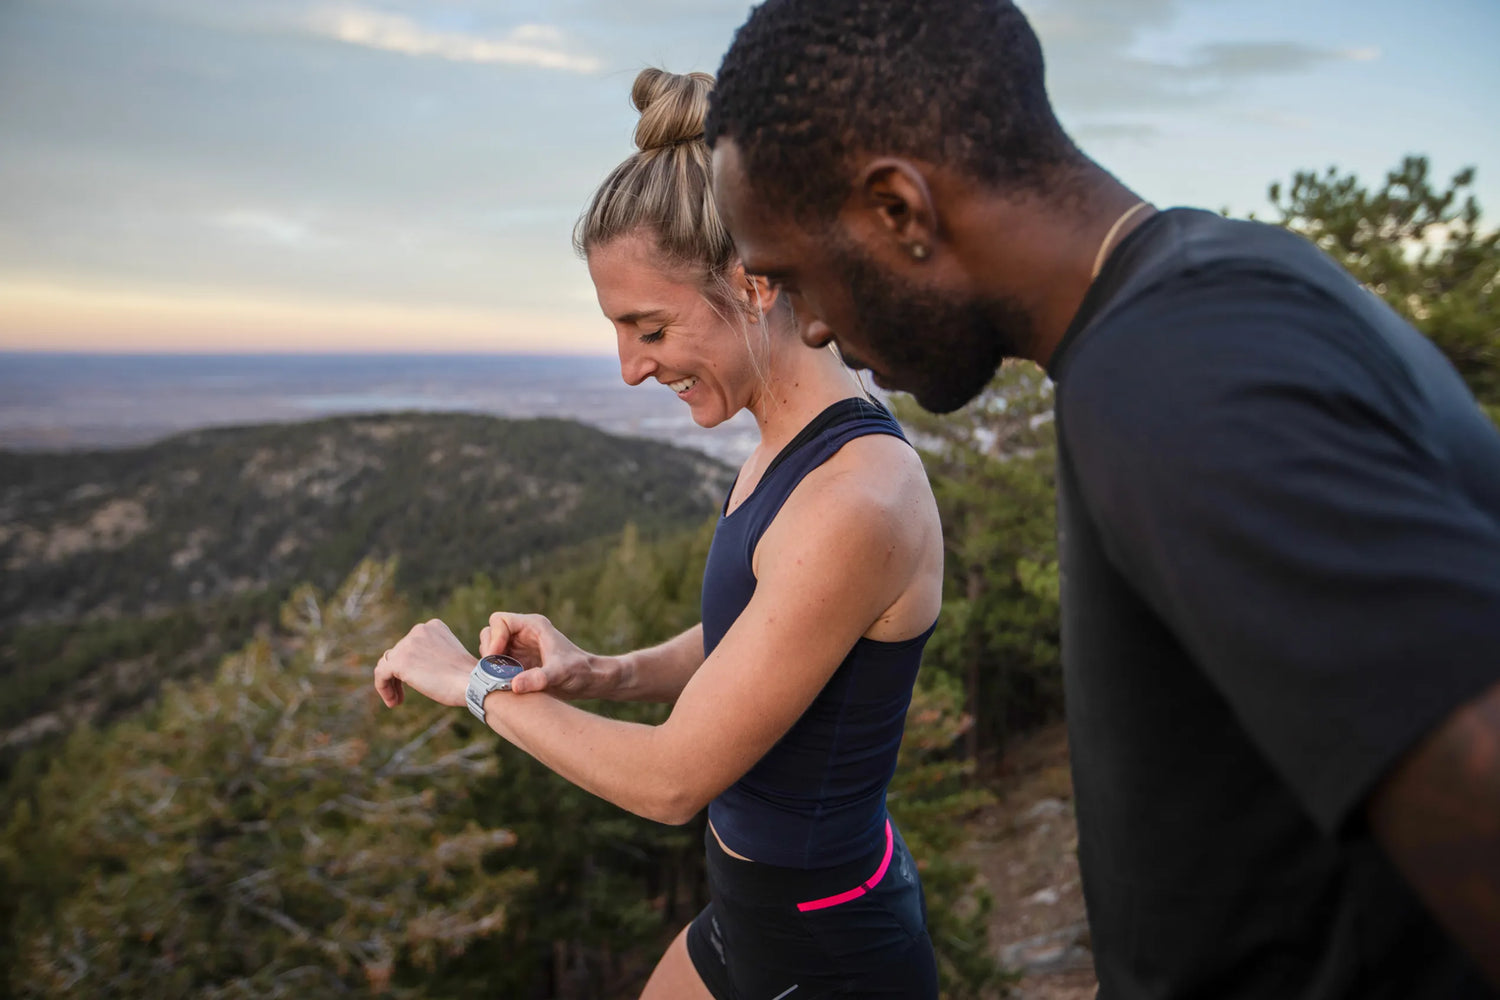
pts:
[1190, 249]
[1188, 272]
[1223, 322]
[1201, 283]
[1185, 239]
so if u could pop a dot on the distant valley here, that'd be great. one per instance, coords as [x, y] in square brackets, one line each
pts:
[56, 402]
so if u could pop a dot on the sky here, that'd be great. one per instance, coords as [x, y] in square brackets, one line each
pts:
[395, 175]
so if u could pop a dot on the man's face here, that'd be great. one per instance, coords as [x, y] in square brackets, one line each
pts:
[942, 346]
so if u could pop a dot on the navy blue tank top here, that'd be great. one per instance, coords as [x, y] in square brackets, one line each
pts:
[817, 798]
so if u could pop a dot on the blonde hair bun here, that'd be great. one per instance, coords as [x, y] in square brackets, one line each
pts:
[665, 187]
[673, 107]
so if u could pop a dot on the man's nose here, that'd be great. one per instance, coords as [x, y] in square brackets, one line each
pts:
[815, 333]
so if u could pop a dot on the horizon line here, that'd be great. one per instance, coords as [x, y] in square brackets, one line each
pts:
[306, 353]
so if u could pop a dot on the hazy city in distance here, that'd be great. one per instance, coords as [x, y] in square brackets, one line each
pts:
[81, 401]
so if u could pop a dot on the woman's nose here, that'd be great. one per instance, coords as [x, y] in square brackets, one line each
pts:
[635, 365]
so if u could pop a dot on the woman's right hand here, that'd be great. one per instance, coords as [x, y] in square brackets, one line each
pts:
[553, 663]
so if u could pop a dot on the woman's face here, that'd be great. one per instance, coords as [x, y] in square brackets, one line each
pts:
[666, 330]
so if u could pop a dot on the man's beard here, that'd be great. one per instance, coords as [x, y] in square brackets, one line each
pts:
[944, 352]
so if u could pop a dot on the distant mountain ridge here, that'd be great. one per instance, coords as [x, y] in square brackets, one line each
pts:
[215, 513]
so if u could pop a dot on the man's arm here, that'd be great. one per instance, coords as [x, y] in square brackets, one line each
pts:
[1438, 817]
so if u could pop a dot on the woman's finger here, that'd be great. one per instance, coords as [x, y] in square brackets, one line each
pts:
[387, 685]
[530, 681]
[501, 628]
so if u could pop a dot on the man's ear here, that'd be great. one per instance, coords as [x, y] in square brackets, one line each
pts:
[892, 197]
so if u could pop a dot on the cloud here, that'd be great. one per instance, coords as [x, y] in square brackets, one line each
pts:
[44, 312]
[527, 45]
[653, 16]
[1097, 22]
[1124, 131]
[1283, 120]
[435, 155]
[1127, 56]
[267, 227]
[1125, 71]
[1229, 60]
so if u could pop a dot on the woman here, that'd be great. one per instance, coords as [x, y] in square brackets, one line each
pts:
[822, 586]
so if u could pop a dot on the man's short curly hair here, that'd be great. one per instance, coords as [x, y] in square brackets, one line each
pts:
[808, 83]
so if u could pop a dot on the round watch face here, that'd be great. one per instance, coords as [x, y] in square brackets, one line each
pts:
[502, 668]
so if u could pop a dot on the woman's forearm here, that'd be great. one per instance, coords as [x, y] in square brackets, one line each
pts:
[627, 763]
[660, 672]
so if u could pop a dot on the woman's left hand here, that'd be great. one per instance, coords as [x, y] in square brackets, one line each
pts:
[431, 660]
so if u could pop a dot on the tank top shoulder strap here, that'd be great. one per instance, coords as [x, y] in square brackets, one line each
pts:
[814, 444]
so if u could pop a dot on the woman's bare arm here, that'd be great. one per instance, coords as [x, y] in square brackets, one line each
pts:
[656, 674]
[812, 602]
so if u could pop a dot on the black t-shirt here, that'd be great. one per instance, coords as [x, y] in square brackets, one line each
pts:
[1279, 522]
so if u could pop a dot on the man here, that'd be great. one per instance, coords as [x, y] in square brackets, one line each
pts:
[1279, 507]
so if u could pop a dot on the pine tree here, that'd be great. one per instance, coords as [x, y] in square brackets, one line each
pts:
[1422, 248]
[275, 832]
[992, 467]
[930, 799]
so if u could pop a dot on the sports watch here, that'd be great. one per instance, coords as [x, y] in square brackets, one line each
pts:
[493, 673]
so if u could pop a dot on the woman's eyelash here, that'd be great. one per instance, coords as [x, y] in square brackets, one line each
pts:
[651, 338]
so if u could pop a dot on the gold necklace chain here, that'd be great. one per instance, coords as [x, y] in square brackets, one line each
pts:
[1099, 257]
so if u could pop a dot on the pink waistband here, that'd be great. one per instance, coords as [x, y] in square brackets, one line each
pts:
[863, 887]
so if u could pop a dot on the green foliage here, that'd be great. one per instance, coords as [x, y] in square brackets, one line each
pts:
[277, 829]
[273, 833]
[992, 467]
[100, 667]
[929, 798]
[611, 889]
[1420, 247]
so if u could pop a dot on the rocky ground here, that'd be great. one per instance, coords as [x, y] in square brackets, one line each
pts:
[1025, 846]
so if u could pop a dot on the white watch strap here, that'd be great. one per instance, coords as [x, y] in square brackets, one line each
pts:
[480, 684]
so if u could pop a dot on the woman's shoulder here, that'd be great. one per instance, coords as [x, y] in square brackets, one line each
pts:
[880, 458]
[877, 476]
[866, 516]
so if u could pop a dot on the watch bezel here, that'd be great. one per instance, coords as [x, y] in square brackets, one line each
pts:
[509, 669]
[482, 681]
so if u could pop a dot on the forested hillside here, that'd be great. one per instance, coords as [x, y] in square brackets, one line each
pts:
[222, 512]
[123, 568]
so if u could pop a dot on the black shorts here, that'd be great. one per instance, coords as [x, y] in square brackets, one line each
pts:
[857, 930]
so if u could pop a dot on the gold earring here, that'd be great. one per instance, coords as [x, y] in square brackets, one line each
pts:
[918, 251]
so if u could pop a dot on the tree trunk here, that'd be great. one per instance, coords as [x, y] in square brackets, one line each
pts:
[973, 591]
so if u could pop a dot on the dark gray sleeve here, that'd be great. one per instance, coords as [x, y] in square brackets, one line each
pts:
[1266, 475]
